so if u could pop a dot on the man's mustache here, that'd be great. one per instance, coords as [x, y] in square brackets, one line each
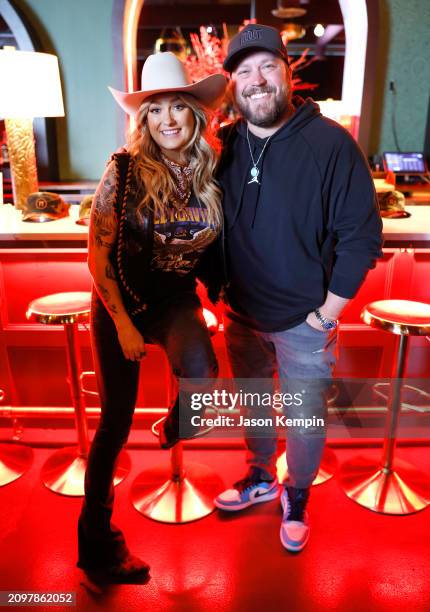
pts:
[257, 90]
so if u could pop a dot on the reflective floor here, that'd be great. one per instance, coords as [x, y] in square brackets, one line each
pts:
[356, 559]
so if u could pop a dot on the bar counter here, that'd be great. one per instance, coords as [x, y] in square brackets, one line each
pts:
[37, 259]
[413, 231]
[14, 232]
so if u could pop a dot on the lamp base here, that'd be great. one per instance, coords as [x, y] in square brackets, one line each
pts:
[22, 157]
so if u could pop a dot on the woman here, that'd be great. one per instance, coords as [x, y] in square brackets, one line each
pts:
[155, 212]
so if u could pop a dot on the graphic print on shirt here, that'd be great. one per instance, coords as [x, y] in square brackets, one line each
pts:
[180, 237]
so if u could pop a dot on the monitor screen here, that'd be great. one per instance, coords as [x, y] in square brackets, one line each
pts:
[405, 163]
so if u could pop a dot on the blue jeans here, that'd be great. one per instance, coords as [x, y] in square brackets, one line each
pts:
[299, 353]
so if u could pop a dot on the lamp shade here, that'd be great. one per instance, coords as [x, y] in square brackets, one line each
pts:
[30, 85]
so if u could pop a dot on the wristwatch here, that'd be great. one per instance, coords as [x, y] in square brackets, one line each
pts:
[325, 323]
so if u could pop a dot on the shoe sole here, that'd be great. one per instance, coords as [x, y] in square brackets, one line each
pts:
[257, 500]
[290, 546]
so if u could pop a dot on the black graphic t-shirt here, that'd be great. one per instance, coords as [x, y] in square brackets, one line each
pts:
[180, 238]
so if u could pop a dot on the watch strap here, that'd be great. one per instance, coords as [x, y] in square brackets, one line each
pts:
[324, 321]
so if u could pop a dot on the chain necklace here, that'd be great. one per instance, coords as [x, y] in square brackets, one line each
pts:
[254, 170]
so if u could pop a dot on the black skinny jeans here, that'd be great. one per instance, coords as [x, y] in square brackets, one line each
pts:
[178, 326]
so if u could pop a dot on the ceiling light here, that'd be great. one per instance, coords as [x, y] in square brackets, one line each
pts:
[288, 12]
[292, 31]
[319, 30]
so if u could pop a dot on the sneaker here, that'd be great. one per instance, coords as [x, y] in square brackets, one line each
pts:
[253, 489]
[295, 523]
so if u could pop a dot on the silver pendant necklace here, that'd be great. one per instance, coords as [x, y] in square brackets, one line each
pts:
[254, 170]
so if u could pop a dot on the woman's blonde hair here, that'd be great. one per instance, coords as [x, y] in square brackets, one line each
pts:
[158, 184]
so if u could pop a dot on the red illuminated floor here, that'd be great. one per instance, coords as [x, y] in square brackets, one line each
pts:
[356, 560]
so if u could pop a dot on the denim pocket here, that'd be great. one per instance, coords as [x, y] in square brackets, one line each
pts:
[317, 331]
[323, 340]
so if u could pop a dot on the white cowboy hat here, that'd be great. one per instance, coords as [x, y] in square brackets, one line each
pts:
[164, 72]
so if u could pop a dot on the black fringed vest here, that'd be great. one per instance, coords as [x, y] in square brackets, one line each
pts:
[132, 254]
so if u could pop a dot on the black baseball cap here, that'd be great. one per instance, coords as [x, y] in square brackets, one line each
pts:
[254, 37]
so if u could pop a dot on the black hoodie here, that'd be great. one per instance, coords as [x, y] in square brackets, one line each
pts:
[311, 225]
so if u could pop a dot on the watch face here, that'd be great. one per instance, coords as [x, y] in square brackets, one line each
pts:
[330, 325]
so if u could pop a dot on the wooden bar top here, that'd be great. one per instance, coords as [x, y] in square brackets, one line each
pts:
[413, 231]
[16, 233]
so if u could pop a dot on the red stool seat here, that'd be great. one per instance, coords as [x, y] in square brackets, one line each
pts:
[61, 308]
[402, 317]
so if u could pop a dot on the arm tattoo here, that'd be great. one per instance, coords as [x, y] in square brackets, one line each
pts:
[110, 272]
[103, 214]
[106, 191]
[103, 234]
[103, 292]
[106, 299]
[103, 227]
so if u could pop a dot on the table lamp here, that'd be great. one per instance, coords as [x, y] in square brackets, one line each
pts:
[30, 87]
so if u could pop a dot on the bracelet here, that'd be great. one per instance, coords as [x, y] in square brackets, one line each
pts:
[325, 323]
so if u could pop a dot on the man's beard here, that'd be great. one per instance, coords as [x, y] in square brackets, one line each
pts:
[269, 111]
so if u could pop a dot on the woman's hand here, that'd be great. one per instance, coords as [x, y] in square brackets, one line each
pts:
[131, 341]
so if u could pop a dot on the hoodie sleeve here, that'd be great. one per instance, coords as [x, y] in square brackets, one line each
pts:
[354, 219]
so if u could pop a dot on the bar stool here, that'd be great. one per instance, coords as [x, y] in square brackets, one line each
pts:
[15, 459]
[328, 465]
[178, 493]
[388, 486]
[64, 471]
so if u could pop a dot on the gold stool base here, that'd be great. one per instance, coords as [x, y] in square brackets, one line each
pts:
[402, 490]
[328, 467]
[156, 495]
[64, 471]
[15, 460]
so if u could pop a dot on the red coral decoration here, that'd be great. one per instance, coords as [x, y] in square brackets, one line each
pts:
[209, 53]
[299, 64]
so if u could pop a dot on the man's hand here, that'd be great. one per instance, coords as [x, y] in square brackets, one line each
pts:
[131, 341]
[312, 320]
[331, 309]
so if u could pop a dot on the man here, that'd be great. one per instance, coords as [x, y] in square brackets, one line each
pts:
[301, 231]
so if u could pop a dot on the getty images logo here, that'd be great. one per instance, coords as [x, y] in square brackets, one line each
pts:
[250, 36]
